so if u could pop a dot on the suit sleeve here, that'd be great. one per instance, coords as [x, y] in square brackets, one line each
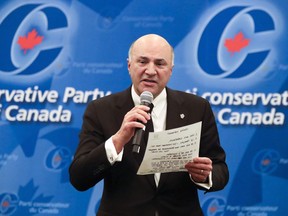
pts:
[210, 147]
[90, 162]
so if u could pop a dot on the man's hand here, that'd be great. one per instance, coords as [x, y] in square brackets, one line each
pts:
[199, 169]
[137, 117]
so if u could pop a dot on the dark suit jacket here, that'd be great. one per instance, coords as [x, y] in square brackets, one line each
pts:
[125, 192]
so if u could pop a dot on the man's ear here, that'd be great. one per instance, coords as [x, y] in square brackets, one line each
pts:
[128, 65]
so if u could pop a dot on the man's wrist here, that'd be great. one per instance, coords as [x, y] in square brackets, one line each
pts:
[111, 152]
[117, 143]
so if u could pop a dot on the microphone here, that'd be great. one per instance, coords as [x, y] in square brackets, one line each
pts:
[146, 99]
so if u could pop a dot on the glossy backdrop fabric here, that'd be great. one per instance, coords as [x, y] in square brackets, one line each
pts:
[57, 56]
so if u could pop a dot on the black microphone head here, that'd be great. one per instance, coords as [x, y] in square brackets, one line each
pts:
[146, 98]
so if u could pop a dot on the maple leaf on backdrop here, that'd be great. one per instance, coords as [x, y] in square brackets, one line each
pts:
[237, 43]
[30, 41]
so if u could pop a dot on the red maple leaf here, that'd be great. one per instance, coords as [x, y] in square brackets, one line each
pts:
[30, 41]
[237, 43]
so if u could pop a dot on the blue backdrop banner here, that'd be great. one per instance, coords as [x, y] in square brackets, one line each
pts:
[56, 56]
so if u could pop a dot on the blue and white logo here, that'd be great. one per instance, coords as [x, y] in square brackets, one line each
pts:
[234, 42]
[30, 38]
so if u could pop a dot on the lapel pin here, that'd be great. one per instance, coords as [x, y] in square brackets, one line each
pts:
[182, 116]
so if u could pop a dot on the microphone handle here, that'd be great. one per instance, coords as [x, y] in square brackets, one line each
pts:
[137, 140]
[139, 132]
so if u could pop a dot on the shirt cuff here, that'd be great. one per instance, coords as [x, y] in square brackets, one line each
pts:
[111, 152]
[206, 185]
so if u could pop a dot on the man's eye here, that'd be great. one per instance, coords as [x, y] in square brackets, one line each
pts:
[142, 61]
[160, 63]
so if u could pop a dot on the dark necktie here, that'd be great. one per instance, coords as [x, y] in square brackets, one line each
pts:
[149, 128]
[149, 125]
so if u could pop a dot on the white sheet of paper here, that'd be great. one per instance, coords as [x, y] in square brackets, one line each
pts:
[170, 150]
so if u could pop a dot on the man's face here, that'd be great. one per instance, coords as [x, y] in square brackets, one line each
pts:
[150, 65]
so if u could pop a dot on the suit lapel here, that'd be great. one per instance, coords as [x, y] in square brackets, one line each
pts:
[175, 110]
[123, 103]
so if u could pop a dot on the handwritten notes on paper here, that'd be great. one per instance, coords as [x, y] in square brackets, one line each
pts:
[170, 150]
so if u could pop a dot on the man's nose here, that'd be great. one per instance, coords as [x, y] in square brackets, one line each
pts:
[151, 69]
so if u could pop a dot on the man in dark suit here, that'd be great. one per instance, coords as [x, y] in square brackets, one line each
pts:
[105, 149]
